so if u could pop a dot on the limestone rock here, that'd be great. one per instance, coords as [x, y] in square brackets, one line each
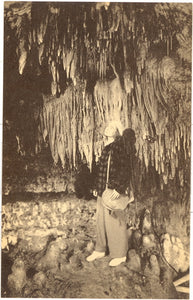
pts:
[39, 279]
[137, 239]
[138, 291]
[75, 262]
[152, 268]
[154, 265]
[172, 217]
[4, 242]
[9, 239]
[51, 259]
[38, 243]
[17, 279]
[148, 241]
[33, 243]
[90, 246]
[174, 252]
[71, 188]
[62, 244]
[134, 262]
[167, 277]
[12, 238]
[146, 224]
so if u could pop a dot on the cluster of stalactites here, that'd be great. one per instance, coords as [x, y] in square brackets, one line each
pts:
[80, 39]
[74, 122]
[67, 123]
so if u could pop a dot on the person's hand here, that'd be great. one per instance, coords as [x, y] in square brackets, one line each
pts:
[95, 194]
[114, 195]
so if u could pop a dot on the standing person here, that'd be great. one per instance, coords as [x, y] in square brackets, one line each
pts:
[111, 233]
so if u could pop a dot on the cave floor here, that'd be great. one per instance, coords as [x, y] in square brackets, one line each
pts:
[68, 274]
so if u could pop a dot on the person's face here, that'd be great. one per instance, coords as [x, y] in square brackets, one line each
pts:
[108, 140]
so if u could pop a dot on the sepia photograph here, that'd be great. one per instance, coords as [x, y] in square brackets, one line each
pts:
[96, 150]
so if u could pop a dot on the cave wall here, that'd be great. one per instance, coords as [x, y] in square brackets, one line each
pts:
[66, 76]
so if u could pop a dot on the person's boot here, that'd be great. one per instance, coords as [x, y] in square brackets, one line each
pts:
[95, 255]
[117, 261]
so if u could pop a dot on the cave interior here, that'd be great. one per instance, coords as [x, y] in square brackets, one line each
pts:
[72, 67]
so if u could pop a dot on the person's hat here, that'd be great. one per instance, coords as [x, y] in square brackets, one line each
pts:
[113, 129]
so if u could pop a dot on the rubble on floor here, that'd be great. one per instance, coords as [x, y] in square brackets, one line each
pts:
[47, 241]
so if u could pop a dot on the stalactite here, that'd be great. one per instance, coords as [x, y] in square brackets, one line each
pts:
[122, 42]
[69, 121]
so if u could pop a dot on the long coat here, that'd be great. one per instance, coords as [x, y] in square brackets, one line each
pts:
[119, 174]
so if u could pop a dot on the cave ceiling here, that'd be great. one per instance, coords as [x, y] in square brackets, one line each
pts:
[95, 61]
